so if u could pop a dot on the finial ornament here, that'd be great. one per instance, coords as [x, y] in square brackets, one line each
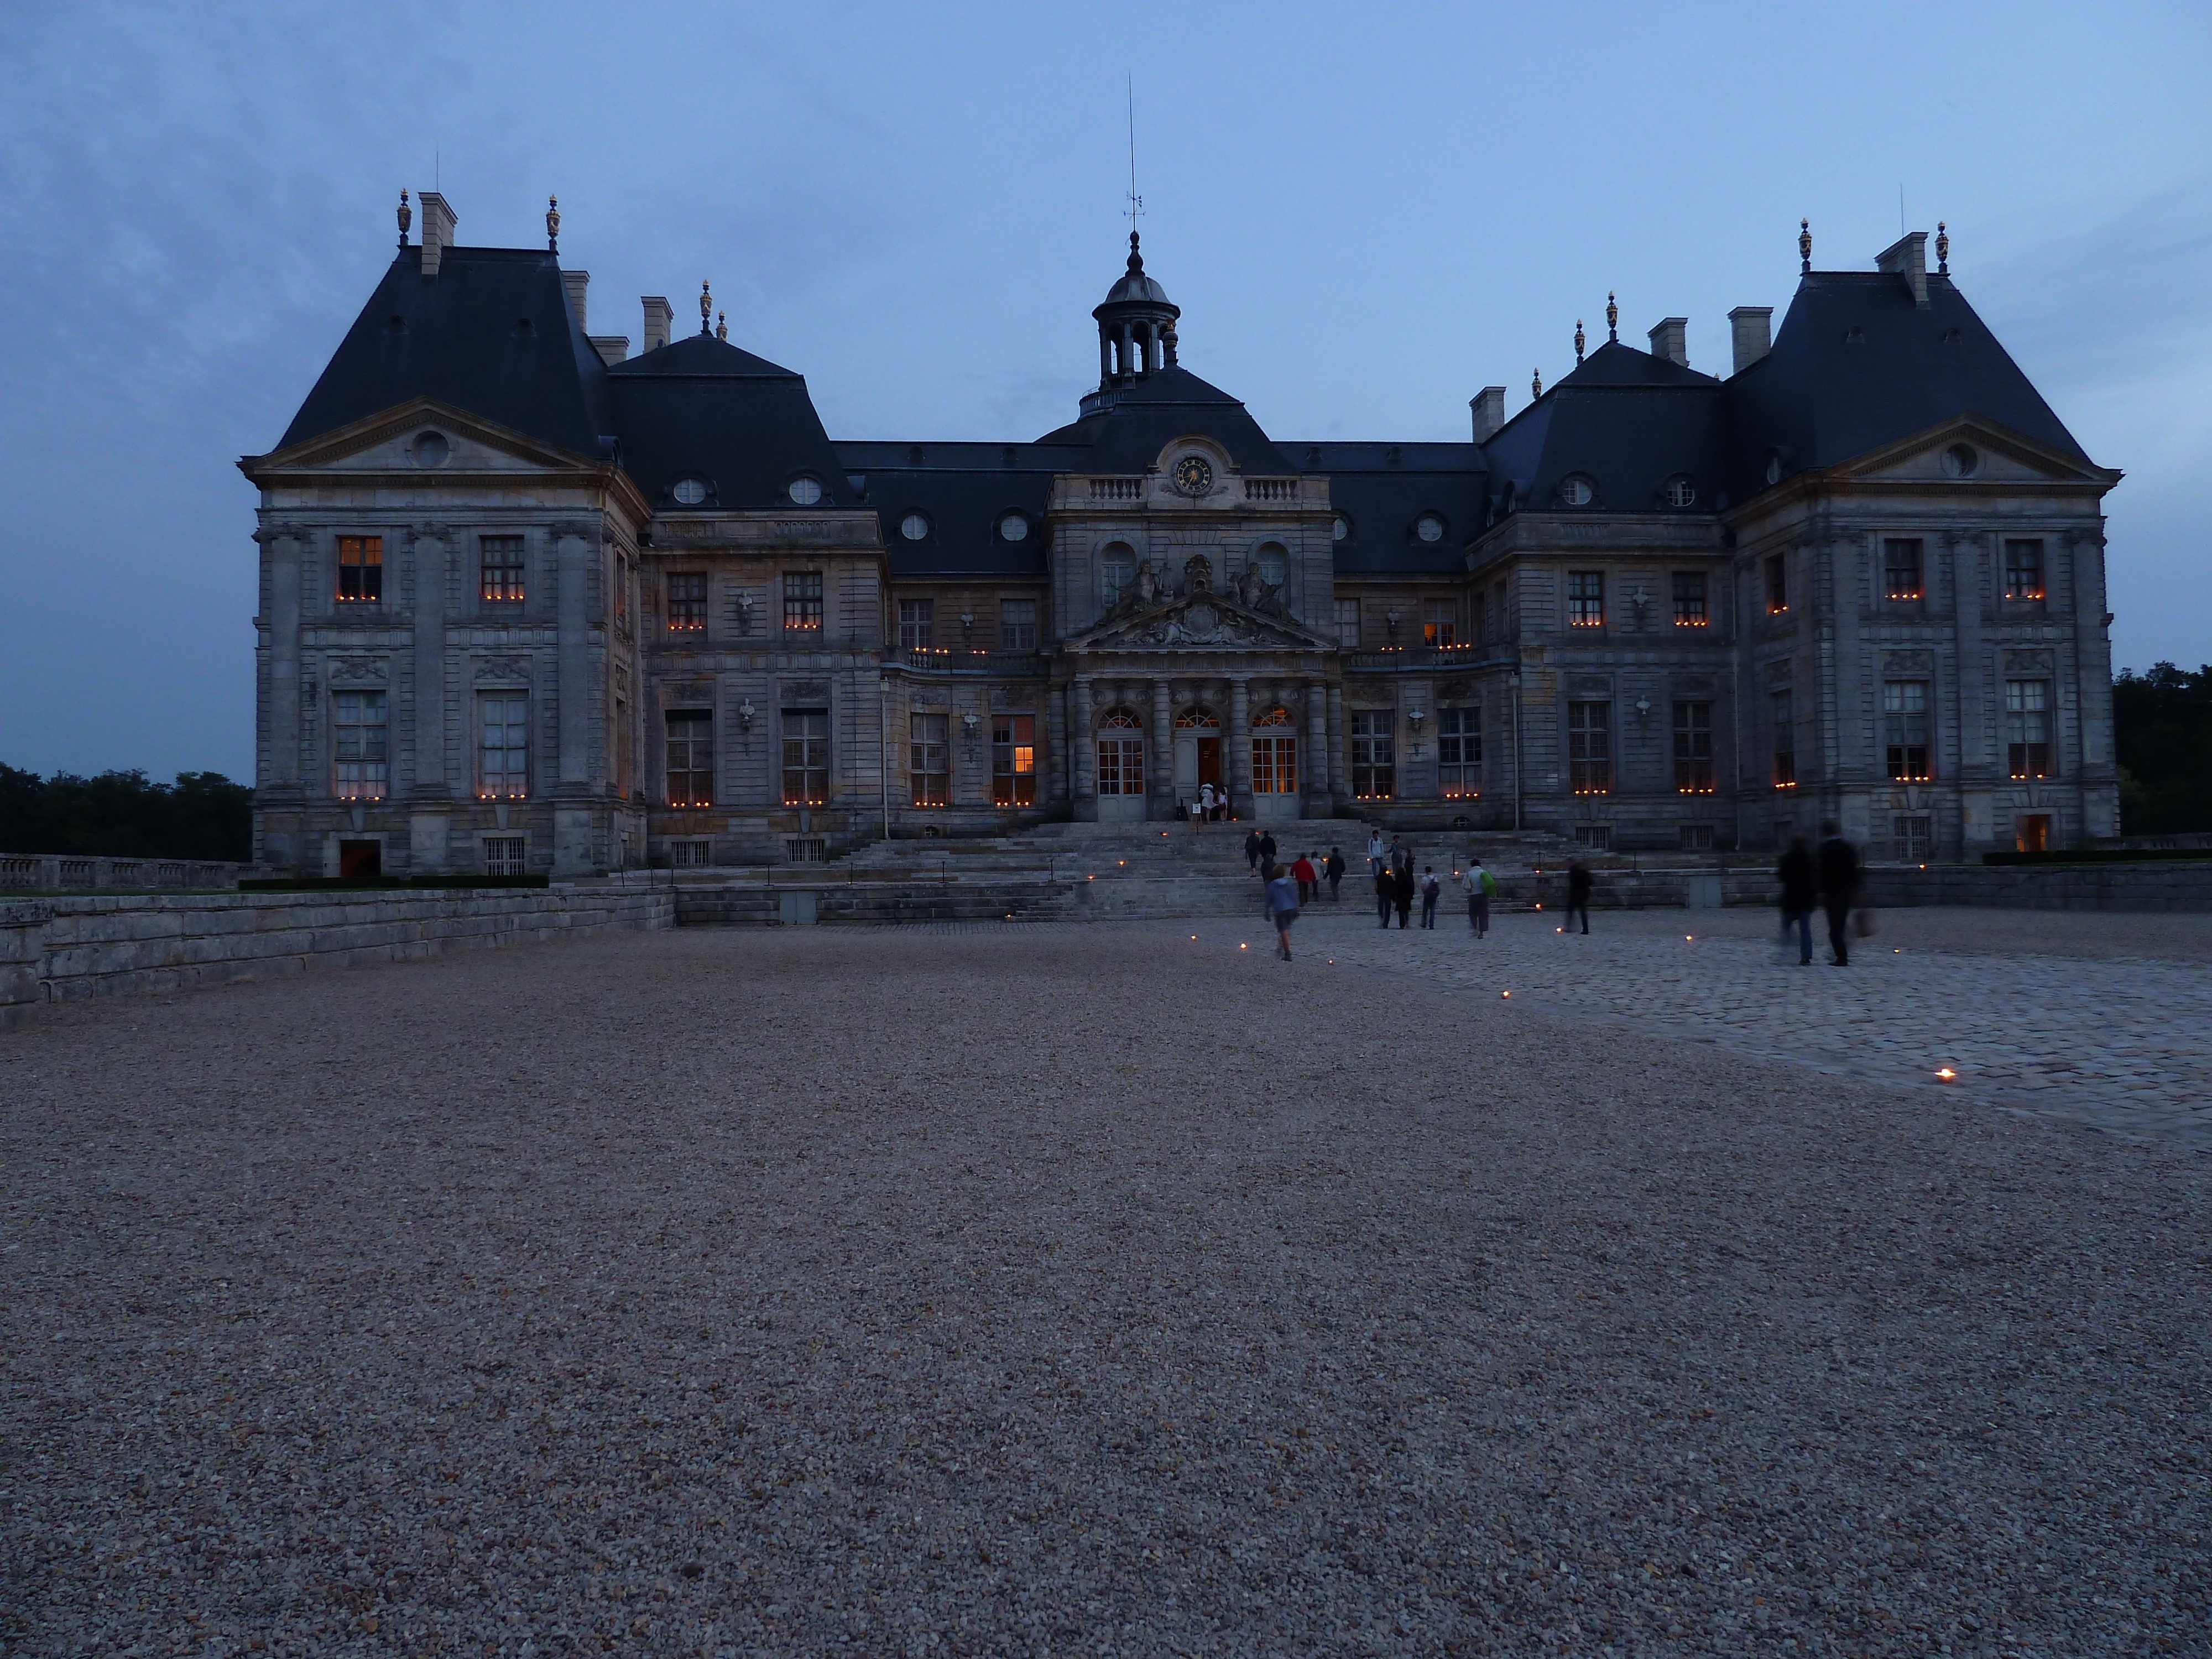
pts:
[1612, 318]
[1805, 245]
[1942, 250]
[721, 325]
[1536, 384]
[553, 224]
[406, 218]
[706, 305]
[1578, 342]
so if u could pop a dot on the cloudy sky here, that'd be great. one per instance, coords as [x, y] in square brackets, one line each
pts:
[1366, 213]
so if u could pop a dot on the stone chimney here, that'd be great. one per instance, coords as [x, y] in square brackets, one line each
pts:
[438, 221]
[611, 348]
[1752, 329]
[1489, 407]
[1671, 340]
[659, 314]
[573, 283]
[1906, 256]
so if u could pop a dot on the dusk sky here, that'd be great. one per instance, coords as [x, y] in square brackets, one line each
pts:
[1366, 214]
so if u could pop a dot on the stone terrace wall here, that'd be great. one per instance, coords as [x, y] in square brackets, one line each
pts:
[2153, 886]
[56, 872]
[62, 950]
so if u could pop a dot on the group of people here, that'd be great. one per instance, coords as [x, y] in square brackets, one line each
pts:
[1289, 887]
[1829, 878]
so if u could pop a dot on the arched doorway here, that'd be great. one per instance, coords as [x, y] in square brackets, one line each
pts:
[1274, 763]
[1198, 753]
[1121, 764]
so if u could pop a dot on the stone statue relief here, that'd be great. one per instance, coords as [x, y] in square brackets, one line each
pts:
[1197, 574]
[1147, 585]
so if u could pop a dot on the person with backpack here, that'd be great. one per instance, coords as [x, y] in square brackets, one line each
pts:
[1430, 889]
[1480, 885]
[1334, 869]
[1374, 851]
[1252, 848]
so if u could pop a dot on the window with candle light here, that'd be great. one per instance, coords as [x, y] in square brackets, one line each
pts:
[361, 569]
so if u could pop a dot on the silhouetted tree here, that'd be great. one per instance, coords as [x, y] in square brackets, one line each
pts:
[203, 815]
[2162, 728]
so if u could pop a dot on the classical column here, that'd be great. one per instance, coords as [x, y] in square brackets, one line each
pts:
[1082, 750]
[1340, 778]
[429, 791]
[281, 727]
[576, 548]
[1056, 735]
[1162, 750]
[1239, 736]
[1317, 743]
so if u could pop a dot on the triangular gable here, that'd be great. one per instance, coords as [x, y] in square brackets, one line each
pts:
[2000, 455]
[385, 441]
[1207, 621]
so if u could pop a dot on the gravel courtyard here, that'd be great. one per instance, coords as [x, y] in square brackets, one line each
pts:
[1059, 1290]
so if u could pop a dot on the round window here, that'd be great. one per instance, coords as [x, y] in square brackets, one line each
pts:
[805, 491]
[1428, 527]
[1343, 529]
[915, 527]
[431, 449]
[1577, 492]
[690, 492]
[1013, 528]
[1961, 461]
[1681, 492]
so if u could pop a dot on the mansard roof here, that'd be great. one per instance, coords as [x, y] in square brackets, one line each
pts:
[492, 333]
[1383, 490]
[964, 491]
[1626, 421]
[701, 407]
[1144, 418]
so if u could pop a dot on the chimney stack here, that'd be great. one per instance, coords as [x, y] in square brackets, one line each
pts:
[438, 221]
[1489, 407]
[1906, 256]
[659, 314]
[611, 348]
[1671, 340]
[573, 283]
[1752, 328]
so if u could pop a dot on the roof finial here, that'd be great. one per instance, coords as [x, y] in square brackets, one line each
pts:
[1578, 342]
[552, 224]
[1942, 250]
[1136, 208]
[406, 218]
[1612, 318]
[1536, 384]
[721, 325]
[1805, 245]
[706, 305]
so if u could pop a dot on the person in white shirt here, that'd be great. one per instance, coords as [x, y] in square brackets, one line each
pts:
[1374, 853]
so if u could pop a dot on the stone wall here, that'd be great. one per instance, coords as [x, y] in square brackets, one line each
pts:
[55, 873]
[63, 950]
[2150, 886]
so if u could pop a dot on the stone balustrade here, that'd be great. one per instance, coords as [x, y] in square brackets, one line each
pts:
[58, 872]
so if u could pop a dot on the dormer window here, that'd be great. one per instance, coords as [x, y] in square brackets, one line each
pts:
[805, 491]
[1681, 492]
[1428, 527]
[1342, 529]
[914, 526]
[688, 492]
[1577, 491]
[1013, 527]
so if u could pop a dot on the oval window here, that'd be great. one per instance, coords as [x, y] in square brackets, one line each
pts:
[1774, 468]
[1428, 527]
[1962, 461]
[1013, 528]
[1577, 492]
[915, 527]
[431, 449]
[805, 491]
[1681, 492]
[1343, 527]
[690, 492]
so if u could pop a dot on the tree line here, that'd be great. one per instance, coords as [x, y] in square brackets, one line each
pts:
[2162, 730]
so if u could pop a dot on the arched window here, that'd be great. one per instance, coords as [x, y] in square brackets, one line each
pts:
[1120, 720]
[1278, 715]
[1117, 568]
[1198, 716]
[1274, 564]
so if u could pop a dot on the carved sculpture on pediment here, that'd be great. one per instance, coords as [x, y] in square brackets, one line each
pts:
[358, 670]
[1147, 585]
[1251, 587]
[504, 668]
[1197, 574]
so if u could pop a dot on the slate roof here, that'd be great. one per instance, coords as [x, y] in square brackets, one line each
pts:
[964, 490]
[1381, 491]
[1143, 419]
[747, 427]
[1627, 421]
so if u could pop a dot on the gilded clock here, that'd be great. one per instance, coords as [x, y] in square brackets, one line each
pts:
[1193, 475]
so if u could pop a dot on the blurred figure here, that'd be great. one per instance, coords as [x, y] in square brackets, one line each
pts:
[1431, 889]
[1386, 890]
[1401, 890]
[1801, 886]
[1282, 910]
[1837, 867]
[1334, 871]
[1578, 892]
[1307, 877]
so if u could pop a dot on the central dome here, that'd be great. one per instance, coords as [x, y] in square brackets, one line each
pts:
[1136, 288]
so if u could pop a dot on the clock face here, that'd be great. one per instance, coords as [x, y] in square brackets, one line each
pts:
[1193, 475]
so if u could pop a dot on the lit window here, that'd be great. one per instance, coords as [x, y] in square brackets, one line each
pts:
[917, 623]
[1121, 753]
[1013, 527]
[690, 757]
[687, 602]
[1459, 752]
[1777, 584]
[806, 757]
[688, 492]
[2023, 569]
[1347, 623]
[1900, 567]
[1904, 729]
[1689, 598]
[1577, 491]
[1117, 568]
[802, 601]
[1693, 747]
[1589, 748]
[1013, 760]
[507, 855]
[1018, 624]
[2027, 728]
[2032, 833]
[1585, 598]
[914, 526]
[1439, 622]
[1275, 565]
[364, 771]
[501, 562]
[1428, 527]
[1782, 715]
[361, 569]
[503, 771]
[1681, 492]
[1196, 717]
[1374, 754]
[929, 760]
[805, 492]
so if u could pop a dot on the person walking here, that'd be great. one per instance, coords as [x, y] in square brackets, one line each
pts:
[1334, 869]
[1478, 885]
[1432, 889]
[1401, 891]
[1283, 910]
[1578, 892]
[1267, 848]
[1386, 890]
[1801, 887]
[1400, 858]
[1837, 874]
[1374, 851]
[1307, 877]
[1206, 802]
[1252, 848]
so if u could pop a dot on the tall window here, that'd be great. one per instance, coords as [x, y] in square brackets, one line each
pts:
[1585, 598]
[360, 568]
[1589, 748]
[806, 757]
[1018, 624]
[1782, 715]
[1777, 584]
[503, 768]
[1459, 752]
[1900, 567]
[364, 769]
[1347, 623]
[1121, 753]
[2027, 728]
[687, 601]
[500, 560]
[1914, 834]
[929, 759]
[690, 757]
[917, 624]
[2023, 570]
[1693, 747]
[1013, 760]
[1275, 565]
[1374, 754]
[1689, 598]
[1274, 753]
[802, 601]
[1439, 622]
[1904, 728]
[1117, 568]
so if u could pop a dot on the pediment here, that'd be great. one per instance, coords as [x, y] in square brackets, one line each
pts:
[1199, 621]
[1999, 455]
[391, 440]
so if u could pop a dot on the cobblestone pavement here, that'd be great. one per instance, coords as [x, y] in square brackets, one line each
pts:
[2099, 1019]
